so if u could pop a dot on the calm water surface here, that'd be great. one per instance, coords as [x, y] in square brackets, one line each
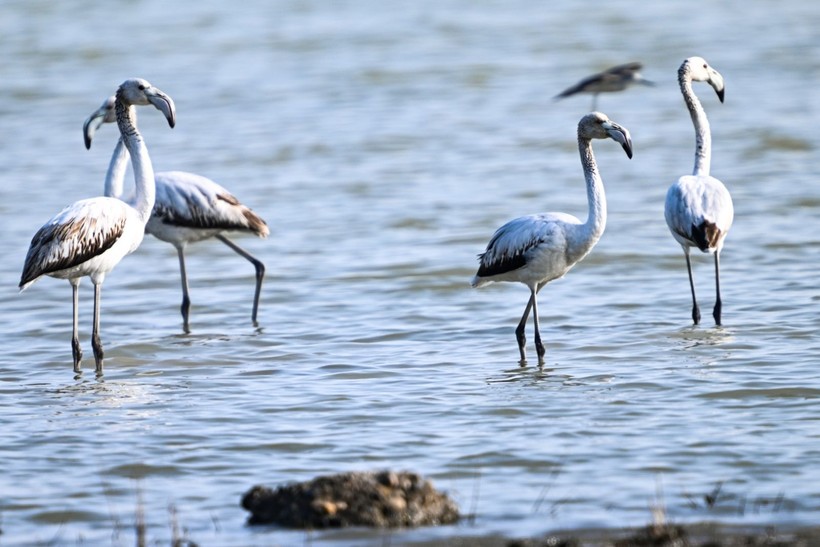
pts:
[384, 145]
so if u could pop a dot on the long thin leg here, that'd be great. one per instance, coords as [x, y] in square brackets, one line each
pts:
[520, 335]
[539, 347]
[260, 272]
[76, 350]
[718, 302]
[186, 299]
[695, 308]
[96, 344]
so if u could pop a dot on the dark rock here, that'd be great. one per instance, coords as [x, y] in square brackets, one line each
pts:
[384, 499]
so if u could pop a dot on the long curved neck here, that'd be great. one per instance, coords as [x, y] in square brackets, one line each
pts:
[703, 136]
[140, 161]
[592, 229]
[115, 177]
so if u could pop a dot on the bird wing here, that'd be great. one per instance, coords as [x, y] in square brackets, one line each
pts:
[699, 209]
[612, 79]
[511, 244]
[76, 234]
[193, 201]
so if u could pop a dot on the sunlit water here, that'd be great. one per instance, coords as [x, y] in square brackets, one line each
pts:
[384, 144]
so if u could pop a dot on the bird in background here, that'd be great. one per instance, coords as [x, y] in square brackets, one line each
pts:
[91, 236]
[188, 208]
[613, 79]
[698, 209]
[537, 249]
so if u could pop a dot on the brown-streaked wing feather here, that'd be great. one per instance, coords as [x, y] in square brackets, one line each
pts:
[68, 240]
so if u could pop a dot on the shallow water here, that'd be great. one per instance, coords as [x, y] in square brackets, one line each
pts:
[384, 146]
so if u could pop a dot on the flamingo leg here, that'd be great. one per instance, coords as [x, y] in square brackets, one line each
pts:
[76, 350]
[718, 302]
[539, 346]
[260, 272]
[520, 335]
[96, 344]
[186, 299]
[695, 308]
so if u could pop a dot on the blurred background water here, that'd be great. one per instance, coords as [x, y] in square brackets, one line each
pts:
[384, 143]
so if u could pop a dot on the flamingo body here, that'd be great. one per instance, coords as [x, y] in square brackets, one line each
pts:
[191, 208]
[699, 212]
[531, 250]
[88, 238]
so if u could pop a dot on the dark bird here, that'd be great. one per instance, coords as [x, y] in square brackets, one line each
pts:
[616, 78]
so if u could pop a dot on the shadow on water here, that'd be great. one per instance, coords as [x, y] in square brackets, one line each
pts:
[530, 376]
[705, 346]
[692, 337]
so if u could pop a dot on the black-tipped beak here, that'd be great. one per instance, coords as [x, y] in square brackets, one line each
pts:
[621, 135]
[164, 104]
[716, 81]
[90, 127]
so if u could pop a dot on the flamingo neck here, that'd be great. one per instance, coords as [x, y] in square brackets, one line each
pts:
[703, 135]
[115, 177]
[140, 161]
[592, 229]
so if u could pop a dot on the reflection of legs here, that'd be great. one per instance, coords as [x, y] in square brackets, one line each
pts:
[718, 303]
[186, 300]
[76, 350]
[695, 309]
[520, 335]
[96, 344]
[257, 264]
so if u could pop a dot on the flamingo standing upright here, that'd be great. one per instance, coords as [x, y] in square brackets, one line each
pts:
[698, 209]
[188, 208]
[91, 236]
[537, 249]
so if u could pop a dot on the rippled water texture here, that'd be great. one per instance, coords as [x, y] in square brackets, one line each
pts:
[384, 145]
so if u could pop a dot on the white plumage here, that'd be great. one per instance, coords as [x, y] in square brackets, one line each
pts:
[188, 208]
[91, 236]
[537, 249]
[698, 209]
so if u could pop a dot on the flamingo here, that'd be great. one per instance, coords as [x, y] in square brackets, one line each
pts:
[188, 208]
[537, 249]
[91, 236]
[699, 210]
[616, 78]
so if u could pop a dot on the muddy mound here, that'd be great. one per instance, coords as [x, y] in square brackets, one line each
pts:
[382, 499]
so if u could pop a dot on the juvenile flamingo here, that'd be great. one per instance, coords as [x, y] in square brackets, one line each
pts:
[91, 236]
[699, 210]
[188, 208]
[537, 249]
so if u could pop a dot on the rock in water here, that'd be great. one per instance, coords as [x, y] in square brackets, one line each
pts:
[383, 499]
